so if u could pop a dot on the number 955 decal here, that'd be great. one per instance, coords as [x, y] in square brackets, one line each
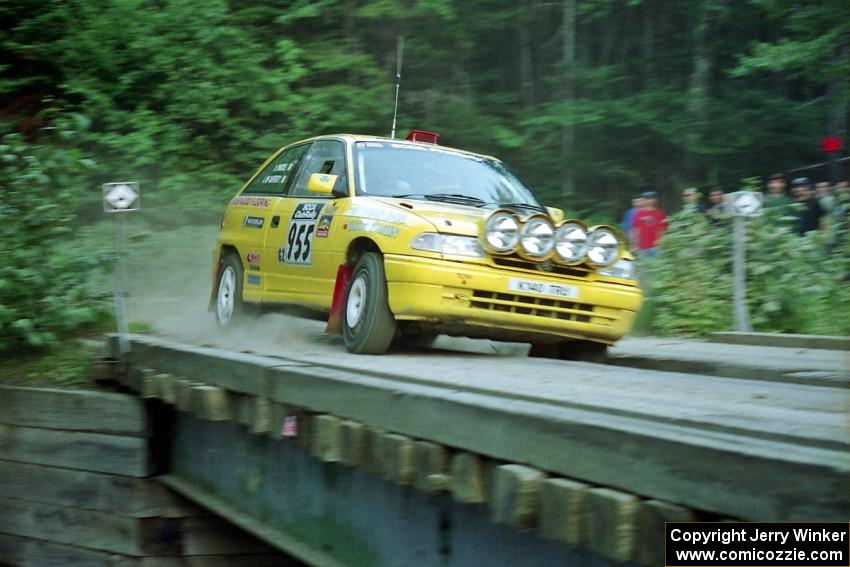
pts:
[299, 235]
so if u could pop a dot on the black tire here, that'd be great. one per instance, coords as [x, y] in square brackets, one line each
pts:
[368, 327]
[582, 351]
[229, 293]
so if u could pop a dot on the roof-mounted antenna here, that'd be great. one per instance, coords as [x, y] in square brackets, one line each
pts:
[398, 57]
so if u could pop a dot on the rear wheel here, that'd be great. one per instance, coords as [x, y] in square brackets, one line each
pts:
[229, 307]
[368, 325]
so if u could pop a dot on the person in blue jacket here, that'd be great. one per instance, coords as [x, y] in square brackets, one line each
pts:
[626, 223]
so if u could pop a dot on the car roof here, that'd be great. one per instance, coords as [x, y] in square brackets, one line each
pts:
[366, 138]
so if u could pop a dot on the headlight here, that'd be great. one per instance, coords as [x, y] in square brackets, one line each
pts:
[571, 242]
[622, 268]
[449, 244]
[501, 233]
[603, 247]
[537, 238]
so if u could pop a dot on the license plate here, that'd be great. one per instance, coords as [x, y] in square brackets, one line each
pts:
[535, 287]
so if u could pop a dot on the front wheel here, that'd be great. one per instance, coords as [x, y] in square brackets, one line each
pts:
[368, 325]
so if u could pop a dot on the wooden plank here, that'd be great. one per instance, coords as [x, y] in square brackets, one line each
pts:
[327, 439]
[513, 497]
[183, 393]
[150, 383]
[397, 458]
[468, 483]
[562, 514]
[212, 403]
[244, 409]
[262, 416]
[75, 450]
[353, 437]
[372, 447]
[611, 527]
[430, 460]
[73, 410]
[90, 529]
[128, 496]
[249, 560]
[650, 528]
[167, 388]
[30, 552]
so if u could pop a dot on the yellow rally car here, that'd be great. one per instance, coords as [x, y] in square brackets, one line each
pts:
[404, 238]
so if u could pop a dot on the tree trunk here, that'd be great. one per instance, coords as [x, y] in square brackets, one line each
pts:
[526, 77]
[568, 134]
[836, 89]
[648, 44]
[698, 89]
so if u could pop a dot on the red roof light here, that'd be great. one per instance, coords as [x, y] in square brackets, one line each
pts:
[423, 136]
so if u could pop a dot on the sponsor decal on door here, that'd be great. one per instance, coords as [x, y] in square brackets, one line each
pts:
[298, 248]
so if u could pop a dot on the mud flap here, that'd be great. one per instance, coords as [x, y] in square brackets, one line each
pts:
[343, 276]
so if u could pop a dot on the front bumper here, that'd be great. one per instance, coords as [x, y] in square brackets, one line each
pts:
[474, 300]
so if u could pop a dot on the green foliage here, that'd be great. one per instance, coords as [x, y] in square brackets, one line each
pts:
[65, 365]
[43, 290]
[189, 101]
[794, 285]
[690, 284]
[811, 44]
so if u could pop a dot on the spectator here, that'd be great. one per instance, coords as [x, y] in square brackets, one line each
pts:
[841, 212]
[776, 196]
[809, 213]
[842, 200]
[691, 201]
[629, 216]
[648, 224]
[716, 210]
[842, 191]
[823, 193]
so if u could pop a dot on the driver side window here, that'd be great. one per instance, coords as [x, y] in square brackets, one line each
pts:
[325, 156]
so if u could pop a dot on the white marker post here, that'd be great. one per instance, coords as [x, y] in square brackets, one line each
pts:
[121, 197]
[740, 205]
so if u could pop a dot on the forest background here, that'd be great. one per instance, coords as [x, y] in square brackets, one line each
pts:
[590, 101]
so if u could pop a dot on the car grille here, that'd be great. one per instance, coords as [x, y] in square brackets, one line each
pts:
[575, 271]
[538, 307]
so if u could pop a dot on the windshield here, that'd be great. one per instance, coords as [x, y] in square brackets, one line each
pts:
[396, 169]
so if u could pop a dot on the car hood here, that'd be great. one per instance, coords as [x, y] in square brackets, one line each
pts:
[448, 218]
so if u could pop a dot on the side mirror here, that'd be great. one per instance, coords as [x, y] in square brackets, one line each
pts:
[556, 214]
[326, 184]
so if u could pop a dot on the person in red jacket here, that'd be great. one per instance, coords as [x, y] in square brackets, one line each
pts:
[648, 224]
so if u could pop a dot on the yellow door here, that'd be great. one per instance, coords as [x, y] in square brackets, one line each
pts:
[251, 216]
[306, 268]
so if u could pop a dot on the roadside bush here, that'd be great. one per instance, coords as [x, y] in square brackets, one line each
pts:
[794, 284]
[43, 276]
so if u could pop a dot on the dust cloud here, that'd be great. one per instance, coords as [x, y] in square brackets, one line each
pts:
[168, 290]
